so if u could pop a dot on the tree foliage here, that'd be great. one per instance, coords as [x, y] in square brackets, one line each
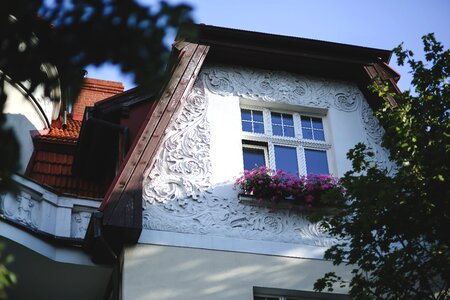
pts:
[7, 278]
[395, 230]
[71, 35]
[39, 36]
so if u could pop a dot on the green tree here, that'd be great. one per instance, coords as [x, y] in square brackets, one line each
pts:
[395, 230]
[7, 278]
[71, 35]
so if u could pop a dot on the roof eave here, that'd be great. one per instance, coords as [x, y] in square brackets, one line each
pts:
[219, 36]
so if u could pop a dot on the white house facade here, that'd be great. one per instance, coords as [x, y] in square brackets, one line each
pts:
[135, 197]
[192, 211]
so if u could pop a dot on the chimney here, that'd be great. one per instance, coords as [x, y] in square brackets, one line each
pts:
[93, 91]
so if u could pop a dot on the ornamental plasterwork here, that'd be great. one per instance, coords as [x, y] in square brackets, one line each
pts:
[177, 193]
[22, 209]
[178, 196]
[227, 217]
[270, 86]
[182, 170]
[308, 91]
[80, 222]
[45, 212]
[374, 134]
[281, 87]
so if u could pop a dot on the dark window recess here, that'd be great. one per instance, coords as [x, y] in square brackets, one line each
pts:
[286, 159]
[254, 157]
[316, 161]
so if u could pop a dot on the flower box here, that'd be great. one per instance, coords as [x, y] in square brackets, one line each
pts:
[278, 190]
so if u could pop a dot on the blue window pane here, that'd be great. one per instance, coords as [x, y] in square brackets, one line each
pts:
[246, 114]
[307, 133]
[288, 120]
[253, 158]
[277, 130]
[286, 159]
[258, 127]
[289, 131]
[317, 123]
[316, 161]
[318, 135]
[257, 116]
[306, 122]
[246, 126]
[276, 118]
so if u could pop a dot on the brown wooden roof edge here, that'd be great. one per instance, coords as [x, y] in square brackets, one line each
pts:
[152, 123]
[379, 73]
[141, 157]
[120, 220]
[237, 38]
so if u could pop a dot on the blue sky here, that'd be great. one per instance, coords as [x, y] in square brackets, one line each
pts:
[380, 24]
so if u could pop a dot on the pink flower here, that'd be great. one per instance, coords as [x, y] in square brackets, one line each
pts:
[266, 184]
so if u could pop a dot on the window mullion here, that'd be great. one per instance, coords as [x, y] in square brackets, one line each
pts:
[267, 121]
[297, 126]
[301, 161]
[272, 163]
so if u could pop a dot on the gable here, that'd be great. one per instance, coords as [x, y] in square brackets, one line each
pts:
[190, 187]
[267, 73]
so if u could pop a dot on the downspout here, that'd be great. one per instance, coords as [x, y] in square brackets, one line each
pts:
[102, 249]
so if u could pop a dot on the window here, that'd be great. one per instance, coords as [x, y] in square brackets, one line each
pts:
[252, 121]
[286, 159]
[261, 293]
[312, 128]
[282, 124]
[273, 298]
[309, 296]
[316, 162]
[254, 156]
[288, 141]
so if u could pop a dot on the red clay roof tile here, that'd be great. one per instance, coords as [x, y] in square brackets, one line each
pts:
[59, 176]
[55, 169]
[68, 135]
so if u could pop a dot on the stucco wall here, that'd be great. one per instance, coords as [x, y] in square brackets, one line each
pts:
[189, 199]
[166, 273]
[23, 116]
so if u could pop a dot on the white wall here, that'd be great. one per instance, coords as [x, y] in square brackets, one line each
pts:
[341, 105]
[200, 241]
[166, 273]
[42, 210]
[23, 116]
[189, 198]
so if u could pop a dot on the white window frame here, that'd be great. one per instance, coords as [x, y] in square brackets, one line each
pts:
[305, 297]
[297, 141]
[283, 294]
[259, 147]
[271, 296]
